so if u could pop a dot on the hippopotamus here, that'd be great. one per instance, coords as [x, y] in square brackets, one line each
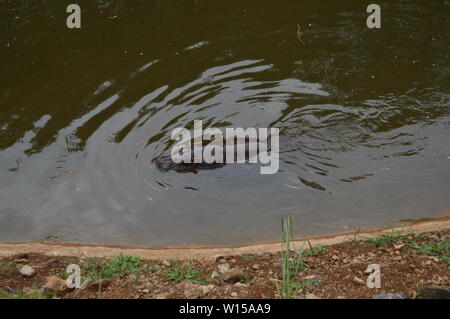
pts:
[247, 153]
[165, 163]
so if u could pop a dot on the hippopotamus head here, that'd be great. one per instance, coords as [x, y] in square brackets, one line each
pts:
[164, 163]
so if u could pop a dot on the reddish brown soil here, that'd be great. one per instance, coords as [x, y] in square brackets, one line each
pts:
[335, 272]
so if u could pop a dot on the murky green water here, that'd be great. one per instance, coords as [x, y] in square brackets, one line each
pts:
[364, 116]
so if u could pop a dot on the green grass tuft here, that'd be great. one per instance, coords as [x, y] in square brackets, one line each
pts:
[188, 274]
[387, 239]
[439, 249]
[118, 266]
[315, 251]
[291, 284]
[35, 294]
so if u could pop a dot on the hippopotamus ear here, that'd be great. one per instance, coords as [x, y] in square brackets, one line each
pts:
[164, 163]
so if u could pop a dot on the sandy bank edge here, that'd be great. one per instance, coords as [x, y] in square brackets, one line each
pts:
[81, 250]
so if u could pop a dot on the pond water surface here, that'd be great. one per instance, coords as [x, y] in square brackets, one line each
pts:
[364, 116]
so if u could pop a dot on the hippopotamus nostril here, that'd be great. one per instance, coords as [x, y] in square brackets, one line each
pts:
[164, 163]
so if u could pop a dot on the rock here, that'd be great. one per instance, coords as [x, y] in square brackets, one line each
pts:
[255, 266]
[155, 268]
[56, 285]
[234, 294]
[146, 291]
[99, 285]
[219, 257]
[389, 296]
[240, 285]
[397, 258]
[433, 259]
[165, 263]
[358, 280]
[194, 291]
[335, 257]
[223, 268]
[234, 275]
[215, 275]
[206, 289]
[21, 261]
[371, 254]
[355, 261]
[191, 291]
[433, 292]
[274, 280]
[27, 271]
[399, 246]
[21, 256]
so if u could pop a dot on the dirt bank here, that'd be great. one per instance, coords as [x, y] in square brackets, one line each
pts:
[412, 264]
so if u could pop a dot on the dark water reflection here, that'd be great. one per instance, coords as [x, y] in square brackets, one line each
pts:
[364, 116]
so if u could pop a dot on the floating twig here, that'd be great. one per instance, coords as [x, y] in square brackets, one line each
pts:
[299, 34]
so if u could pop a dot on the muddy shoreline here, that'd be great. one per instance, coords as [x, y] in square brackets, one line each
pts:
[186, 253]
[413, 263]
